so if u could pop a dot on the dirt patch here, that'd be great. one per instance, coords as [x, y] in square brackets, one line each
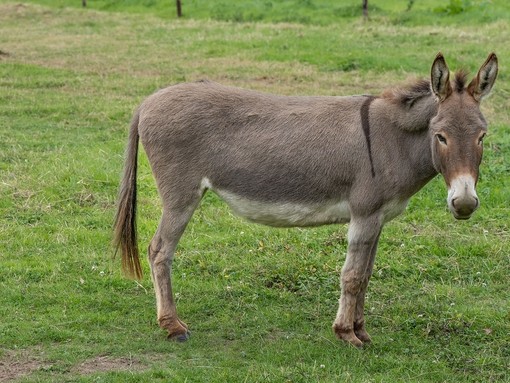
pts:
[107, 363]
[16, 364]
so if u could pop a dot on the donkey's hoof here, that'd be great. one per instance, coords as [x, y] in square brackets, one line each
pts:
[363, 336]
[353, 341]
[180, 338]
[347, 335]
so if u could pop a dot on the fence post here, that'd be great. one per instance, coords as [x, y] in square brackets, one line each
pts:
[365, 9]
[179, 8]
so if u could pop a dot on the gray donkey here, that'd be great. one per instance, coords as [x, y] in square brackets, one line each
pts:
[303, 161]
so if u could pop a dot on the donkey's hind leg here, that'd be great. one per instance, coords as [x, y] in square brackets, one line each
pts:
[161, 253]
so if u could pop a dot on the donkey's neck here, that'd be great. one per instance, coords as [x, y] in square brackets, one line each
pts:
[406, 126]
[420, 165]
[413, 119]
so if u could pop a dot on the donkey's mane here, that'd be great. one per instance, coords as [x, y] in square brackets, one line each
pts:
[459, 82]
[408, 95]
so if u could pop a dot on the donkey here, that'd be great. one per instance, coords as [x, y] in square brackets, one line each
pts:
[302, 161]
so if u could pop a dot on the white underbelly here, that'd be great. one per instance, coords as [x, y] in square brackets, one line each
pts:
[287, 214]
[291, 214]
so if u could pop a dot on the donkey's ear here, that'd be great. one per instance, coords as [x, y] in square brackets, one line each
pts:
[484, 80]
[440, 78]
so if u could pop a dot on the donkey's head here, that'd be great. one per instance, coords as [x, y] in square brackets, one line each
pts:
[458, 130]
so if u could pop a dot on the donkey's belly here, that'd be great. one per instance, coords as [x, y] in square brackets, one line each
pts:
[287, 214]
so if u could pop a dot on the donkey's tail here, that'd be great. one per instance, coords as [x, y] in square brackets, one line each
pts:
[125, 220]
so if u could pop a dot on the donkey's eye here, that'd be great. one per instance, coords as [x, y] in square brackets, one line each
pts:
[441, 138]
[480, 140]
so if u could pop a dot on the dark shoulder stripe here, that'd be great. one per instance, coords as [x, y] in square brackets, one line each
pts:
[365, 124]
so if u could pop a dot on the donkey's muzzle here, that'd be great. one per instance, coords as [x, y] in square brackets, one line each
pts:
[463, 208]
[462, 198]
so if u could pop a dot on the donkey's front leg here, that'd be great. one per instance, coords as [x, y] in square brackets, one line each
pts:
[359, 316]
[362, 237]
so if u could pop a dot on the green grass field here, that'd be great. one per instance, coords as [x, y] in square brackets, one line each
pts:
[259, 301]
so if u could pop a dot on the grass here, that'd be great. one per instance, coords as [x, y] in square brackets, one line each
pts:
[259, 301]
[310, 12]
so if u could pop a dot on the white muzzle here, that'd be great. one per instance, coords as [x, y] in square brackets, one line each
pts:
[462, 198]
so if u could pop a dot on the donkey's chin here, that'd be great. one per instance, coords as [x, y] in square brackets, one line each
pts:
[462, 217]
[462, 214]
